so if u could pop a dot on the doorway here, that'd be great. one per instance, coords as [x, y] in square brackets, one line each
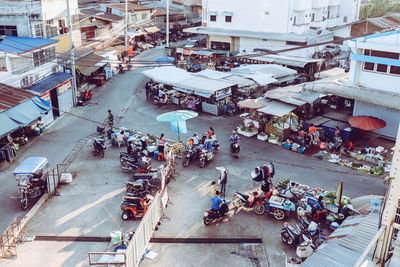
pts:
[54, 102]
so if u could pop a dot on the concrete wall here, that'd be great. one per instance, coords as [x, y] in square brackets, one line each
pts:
[52, 9]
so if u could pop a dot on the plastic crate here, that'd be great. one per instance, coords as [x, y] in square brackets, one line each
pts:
[301, 149]
[294, 149]
[287, 146]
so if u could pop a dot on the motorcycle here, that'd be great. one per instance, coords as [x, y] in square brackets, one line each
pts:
[205, 156]
[293, 236]
[191, 154]
[140, 186]
[121, 69]
[99, 146]
[135, 207]
[85, 96]
[162, 100]
[242, 200]
[235, 147]
[32, 175]
[211, 216]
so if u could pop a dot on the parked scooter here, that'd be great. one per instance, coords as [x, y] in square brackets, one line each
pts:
[140, 186]
[84, 96]
[135, 207]
[121, 69]
[164, 100]
[235, 148]
[211, 216]
[99, 146]
[192, 152]
[242, 200]
[205, 156]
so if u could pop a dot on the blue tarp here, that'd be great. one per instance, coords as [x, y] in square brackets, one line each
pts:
[29, 111]
[50, 82]
[7, 125]
[19, 45]
[31, 165]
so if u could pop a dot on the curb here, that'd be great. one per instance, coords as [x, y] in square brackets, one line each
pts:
[32, 212]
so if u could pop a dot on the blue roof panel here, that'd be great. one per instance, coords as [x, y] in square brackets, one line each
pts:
[26, 113]
[20, 45]
[50, 82]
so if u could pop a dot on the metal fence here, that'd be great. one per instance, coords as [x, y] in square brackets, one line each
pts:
[8, 240]
[54, 178]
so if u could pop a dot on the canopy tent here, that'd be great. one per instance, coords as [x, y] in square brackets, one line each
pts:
[212, 74]
[277, 108]
[29, 111]
[167, 75]
[7, 125]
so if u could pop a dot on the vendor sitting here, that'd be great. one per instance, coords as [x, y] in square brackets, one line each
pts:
[318, 209]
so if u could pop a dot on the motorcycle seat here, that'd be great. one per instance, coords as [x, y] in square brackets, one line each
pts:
[246, 197]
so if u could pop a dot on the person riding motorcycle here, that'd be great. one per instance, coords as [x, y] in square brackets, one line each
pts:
[234, 138]
[216, 202]
[195, 139]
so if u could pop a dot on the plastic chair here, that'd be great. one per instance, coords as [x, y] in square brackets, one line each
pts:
[156, 154]
[160, 156]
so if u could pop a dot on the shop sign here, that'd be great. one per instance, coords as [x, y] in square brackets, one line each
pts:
[187, 52]
[61, 89]
[46, 96]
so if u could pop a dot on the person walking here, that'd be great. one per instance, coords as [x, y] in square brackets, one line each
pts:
[223, 180]
[161, 143]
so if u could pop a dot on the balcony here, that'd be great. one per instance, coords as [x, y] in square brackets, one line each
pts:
[319, 24]
[301, 5]
[334, 2]
[300, 28]
[320, 3]
[333, 22]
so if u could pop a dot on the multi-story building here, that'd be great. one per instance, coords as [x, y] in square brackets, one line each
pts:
[41, 19]
[373, 81]
[236, 25]
[137, 14]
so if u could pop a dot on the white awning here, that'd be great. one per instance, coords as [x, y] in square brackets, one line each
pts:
[203, 86]
[212, 74]
[277, 108]
[261, 79]
[167, 75]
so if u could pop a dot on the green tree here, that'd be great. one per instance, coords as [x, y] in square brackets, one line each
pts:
[378, 8]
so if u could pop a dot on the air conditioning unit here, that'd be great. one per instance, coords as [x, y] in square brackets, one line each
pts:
[27, 81]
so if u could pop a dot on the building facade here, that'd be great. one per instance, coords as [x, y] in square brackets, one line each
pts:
[248, 25]
[40, 19]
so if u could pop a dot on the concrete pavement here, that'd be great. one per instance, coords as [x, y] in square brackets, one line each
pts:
[90, 204]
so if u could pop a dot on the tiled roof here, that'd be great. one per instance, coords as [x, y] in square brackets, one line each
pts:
[11, 96]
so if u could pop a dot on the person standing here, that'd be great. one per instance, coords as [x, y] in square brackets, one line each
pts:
[110, 118]
[223, 180]
[161, 143]
[144, 141]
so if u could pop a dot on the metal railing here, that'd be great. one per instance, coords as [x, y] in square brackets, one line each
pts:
[8, 240]
[53, 180]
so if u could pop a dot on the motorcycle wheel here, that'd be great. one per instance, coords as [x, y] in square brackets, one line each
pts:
[125, 167]
[259, 209]
[279, 214]
[94, 152]
[24, 203]
[285, 237]
[202, 163]
[207, 221]
[125, 215]
[102, 154]
[185, 162]
[230, 112]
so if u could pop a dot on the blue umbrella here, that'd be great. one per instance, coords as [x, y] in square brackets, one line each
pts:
[177, 119]
[165, 60]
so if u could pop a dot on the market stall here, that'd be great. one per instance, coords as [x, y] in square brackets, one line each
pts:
[278, 120]
[251, 123]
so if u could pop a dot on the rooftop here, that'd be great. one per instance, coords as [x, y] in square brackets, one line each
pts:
[11, 96]
[131, 7]
[91, 12]
[21, 45]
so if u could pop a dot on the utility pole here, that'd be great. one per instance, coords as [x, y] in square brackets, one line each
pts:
[72, 56]
[389, 210]
[126, 23]
[167, 30]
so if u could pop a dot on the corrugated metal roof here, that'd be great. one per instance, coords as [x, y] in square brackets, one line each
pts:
[345, 251]
[50, 82]
[284, 60]
[11, 96]
[286, 94]
[101, 14]
[368, 95]
[274, 70]
[90, 63]
[20, 45]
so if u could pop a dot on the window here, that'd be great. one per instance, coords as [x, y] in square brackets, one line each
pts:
[134, 18]
[384, 54]
[43, 56]
[39, 30]
[8, 30]
[228, 18]
[213, 18]
[381, 68]
[369, 66]
[312, 17]
[294, 20]
[61, 23]
[345, 19]
[395, 70]
[108, 9]
[144, 16]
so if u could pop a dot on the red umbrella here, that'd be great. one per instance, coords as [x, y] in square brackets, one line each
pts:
[367, 123]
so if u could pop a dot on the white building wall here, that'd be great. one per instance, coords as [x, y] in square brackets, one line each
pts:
[53, 9]
[349, 9]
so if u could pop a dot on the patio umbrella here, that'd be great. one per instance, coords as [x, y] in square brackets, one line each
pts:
[252, 103]
[367, 123]
[165, 60]
[177, 119]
